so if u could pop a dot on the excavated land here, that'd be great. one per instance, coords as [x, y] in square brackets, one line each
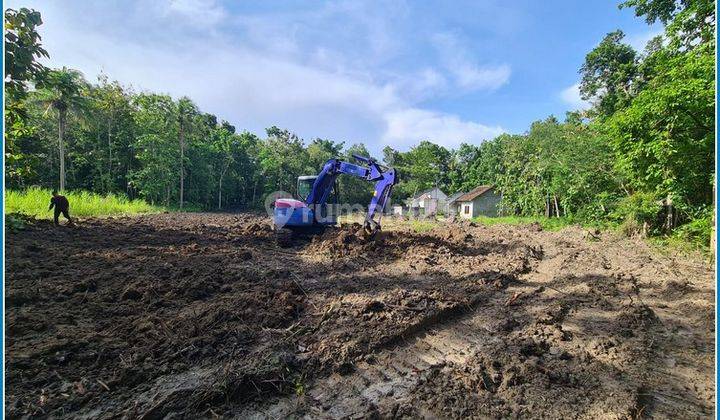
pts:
[205, 315]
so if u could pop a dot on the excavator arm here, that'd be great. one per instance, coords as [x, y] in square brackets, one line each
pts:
[384, 179]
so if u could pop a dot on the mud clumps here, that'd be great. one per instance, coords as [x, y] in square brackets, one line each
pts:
[205, 315]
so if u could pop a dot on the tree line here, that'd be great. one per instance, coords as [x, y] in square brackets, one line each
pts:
[642, 152]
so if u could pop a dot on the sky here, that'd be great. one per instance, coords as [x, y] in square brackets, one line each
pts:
[382, 73]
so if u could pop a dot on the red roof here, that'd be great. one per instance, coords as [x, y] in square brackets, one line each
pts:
[475, 193]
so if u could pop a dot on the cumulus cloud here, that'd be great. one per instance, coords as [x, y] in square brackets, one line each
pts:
[408, 125]
[467, 73]
[571, 96]
[257, 85]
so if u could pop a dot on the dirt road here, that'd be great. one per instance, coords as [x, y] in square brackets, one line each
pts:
[187, 315]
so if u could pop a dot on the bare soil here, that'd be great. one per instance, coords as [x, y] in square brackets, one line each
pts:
[204, 315]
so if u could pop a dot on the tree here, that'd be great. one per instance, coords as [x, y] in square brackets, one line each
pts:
[223, 143]
[425, 166]
[109, 115]
[664, 139]
[390, 155]
[246, 168]
[319, 151]
[461, 162]
[186, 111]
[355, 190]
[63, 91]
[689, 23]
[282, 159]
[608, 73]
[22, 50]
[156, 147]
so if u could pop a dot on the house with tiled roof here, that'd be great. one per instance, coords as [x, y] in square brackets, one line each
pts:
[481, 201]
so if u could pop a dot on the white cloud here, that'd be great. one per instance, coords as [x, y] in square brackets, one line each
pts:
[201, 12]
[420, 85]
[571, 96]
[407, 126]
[467, 73]
[473, 77]
[639, 41]
[255, 85]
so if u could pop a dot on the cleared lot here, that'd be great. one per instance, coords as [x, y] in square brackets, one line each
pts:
[204, 315]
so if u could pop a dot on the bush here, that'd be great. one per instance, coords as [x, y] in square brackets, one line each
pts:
[638, 214]
[697, 232]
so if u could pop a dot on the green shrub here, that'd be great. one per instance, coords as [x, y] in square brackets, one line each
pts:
[697, 232]
[637, 214]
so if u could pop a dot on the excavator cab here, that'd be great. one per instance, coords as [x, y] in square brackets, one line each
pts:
[305, 185]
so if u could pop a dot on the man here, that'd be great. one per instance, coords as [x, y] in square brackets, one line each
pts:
[61, 205]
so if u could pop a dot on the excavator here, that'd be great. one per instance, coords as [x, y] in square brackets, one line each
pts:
[313, 213]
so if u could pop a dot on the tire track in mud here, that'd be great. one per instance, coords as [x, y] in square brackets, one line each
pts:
[389, 376]
[377, 384]
[542, 327]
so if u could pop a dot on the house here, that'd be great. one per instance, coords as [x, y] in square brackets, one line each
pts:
[482, 201]
[451, 207]
[430, 201]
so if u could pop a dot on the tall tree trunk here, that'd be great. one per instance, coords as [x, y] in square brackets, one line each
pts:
[182, 163]
[220, 192]
[669, 218]
[255, 185]
[110, 177]
[547, 206]
[243, 191]
[222, 175]
[62, 115]
[220, 195]
[712, 236]
[557, 208]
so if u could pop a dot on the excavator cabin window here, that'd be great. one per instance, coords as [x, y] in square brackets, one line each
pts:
[305, 185]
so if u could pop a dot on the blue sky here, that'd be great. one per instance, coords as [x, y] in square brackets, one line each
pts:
[382, 73]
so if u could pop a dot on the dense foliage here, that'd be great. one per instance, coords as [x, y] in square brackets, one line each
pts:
[642, 154]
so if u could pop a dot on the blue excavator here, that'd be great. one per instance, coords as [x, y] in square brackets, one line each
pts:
[314, 211]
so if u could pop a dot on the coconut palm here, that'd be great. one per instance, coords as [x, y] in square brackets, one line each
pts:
[62, 90]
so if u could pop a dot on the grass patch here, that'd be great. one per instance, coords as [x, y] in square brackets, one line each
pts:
[420, 226]
[547, 223]
[35, 201]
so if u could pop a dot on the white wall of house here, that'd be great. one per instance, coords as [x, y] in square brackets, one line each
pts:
[483, 205]
[465, 209]
[430, 201]
[487, 204]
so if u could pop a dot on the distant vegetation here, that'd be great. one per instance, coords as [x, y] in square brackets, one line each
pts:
[640, 158]
[35, 202]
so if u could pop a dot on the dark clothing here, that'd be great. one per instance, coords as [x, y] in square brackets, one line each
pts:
[59, 202]
[64, 213]
[61, 205]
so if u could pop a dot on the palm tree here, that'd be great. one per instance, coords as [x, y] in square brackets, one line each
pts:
[62, 90]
